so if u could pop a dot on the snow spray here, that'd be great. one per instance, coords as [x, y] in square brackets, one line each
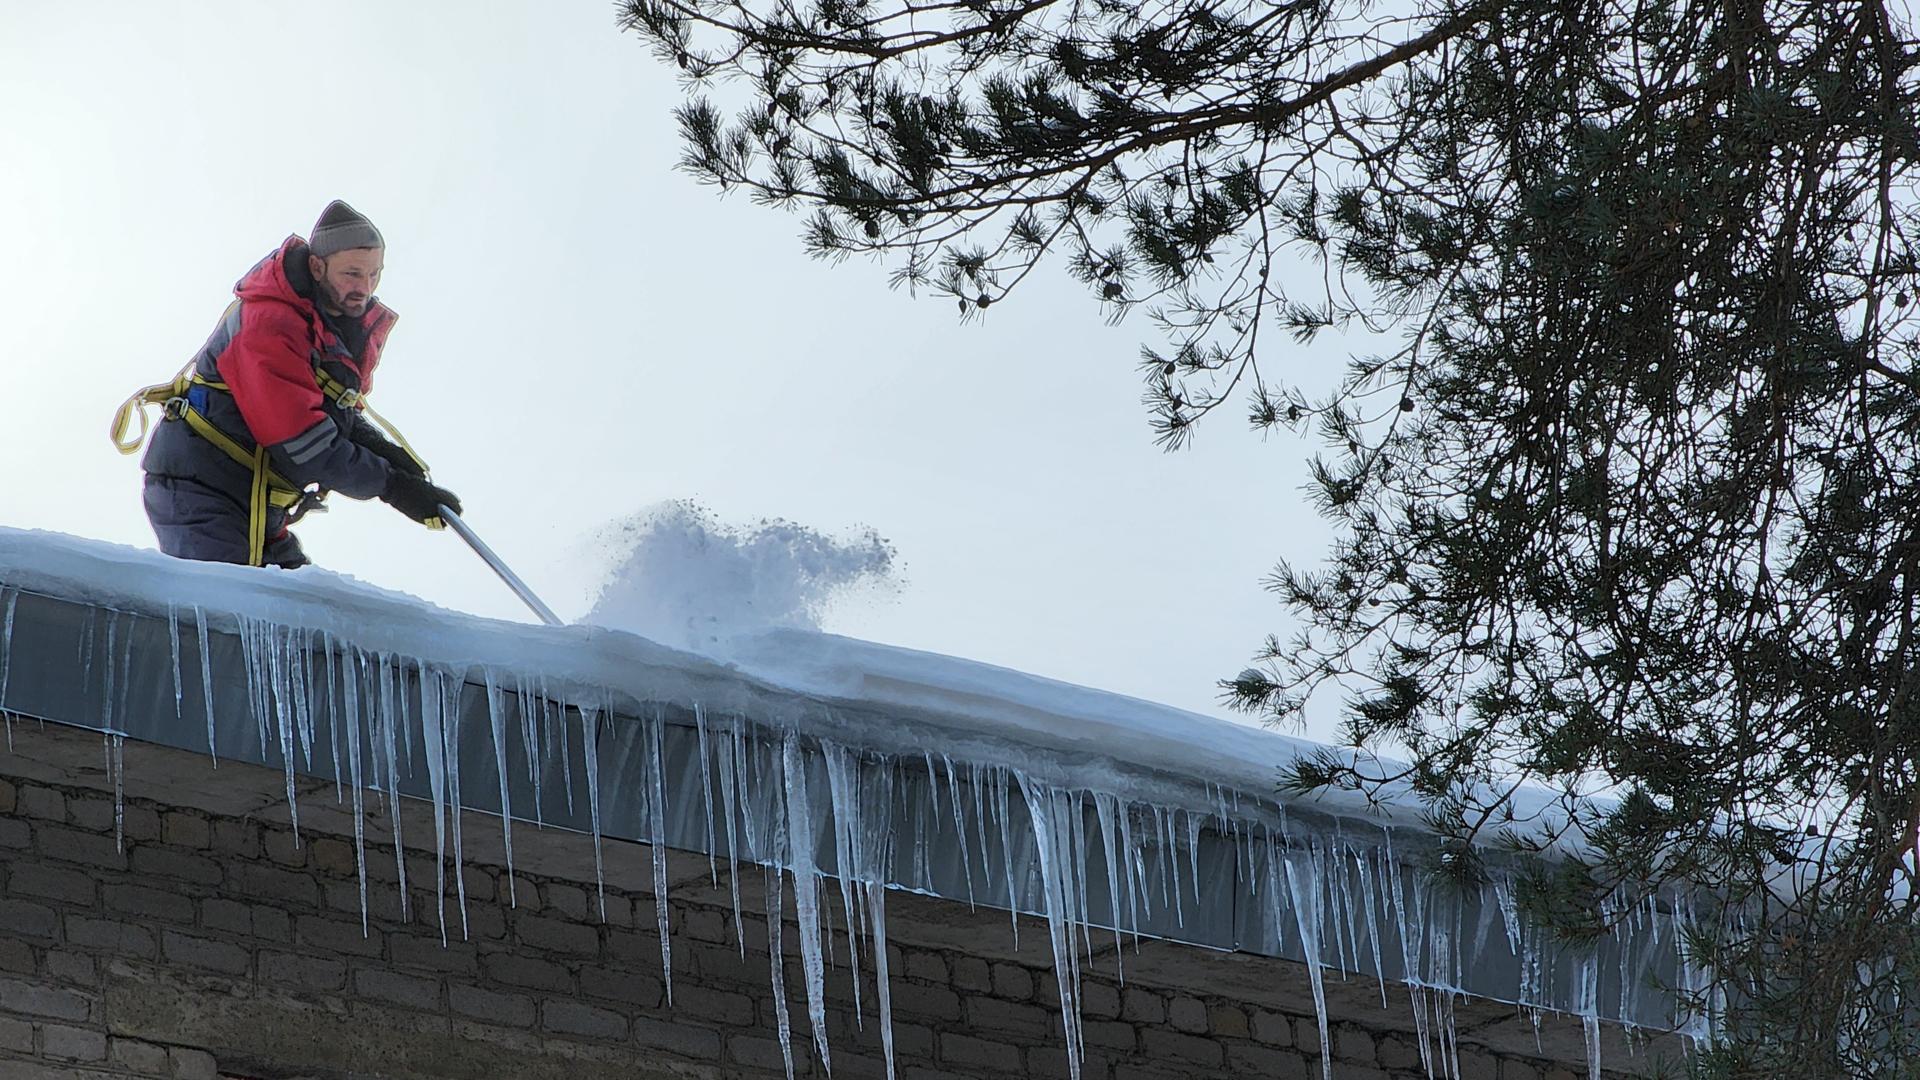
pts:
[679, 576]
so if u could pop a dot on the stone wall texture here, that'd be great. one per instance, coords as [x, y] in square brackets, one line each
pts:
[191, 944]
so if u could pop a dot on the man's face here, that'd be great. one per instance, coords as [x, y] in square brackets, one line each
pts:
[344, 281]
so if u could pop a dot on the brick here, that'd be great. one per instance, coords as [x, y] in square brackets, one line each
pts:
[512, 1010]
[1394, 1052]
[526, 971]
[1518, 1070]
[304, 972]
[931, 1001]
[148, 903]
[412, 991]
[241, 838]
[572, 1018]
[53, 882]
[332, 935]
[72, 1043]
[33, 999]
[1013, 982]
[1188, 1015]
[678, 1038]
[139, 823]
[568, 900]
[486, 922]
[284, 847]
[1112, 1035]
[553, 935]
[262, 882]
[1008, 1017]
[1141, 1007]
[383, 901]
[9, 797]
[455, 956]
[95, 814]
[141, 1057]
[1159, 1044]
[1099, 1000]
[16, 1035]
[1306, 1035]
[202, 952]
[149, 861]
[71, 967]
[191, 1064]
[227, 916]
[972, 974]
[1273, 1029]
[713, 1006]
[927, 967]
[1229, 1021]
[122, 938]
[1352, 1044]
[25, 919]
[16, 956]
[640, 989]
[181, 829]
[1272, 1064]
[15, 833]
[272, 923]
[335, 857]
[965, 1050]
[701, 924]
[754, 1052]
[39, 802]
[72, 845]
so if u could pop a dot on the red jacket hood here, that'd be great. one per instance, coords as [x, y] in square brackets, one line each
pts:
[268, 280]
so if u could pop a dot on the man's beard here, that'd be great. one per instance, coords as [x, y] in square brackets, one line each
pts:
[342, 305]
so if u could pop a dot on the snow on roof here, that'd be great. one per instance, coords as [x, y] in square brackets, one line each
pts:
[832, 741]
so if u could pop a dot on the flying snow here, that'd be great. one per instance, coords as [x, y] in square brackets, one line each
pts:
[678, 575]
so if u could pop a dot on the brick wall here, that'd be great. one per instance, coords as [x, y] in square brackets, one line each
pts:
[207, 944]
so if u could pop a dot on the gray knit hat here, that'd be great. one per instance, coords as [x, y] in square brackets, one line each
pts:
[342, 228]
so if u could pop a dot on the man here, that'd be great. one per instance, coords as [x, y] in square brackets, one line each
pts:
[269, 416]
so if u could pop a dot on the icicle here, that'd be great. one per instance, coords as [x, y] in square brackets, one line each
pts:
[350, 702]
[806, 890]
[1001, 784]
[774, 947]
[590, 752]
[333, 719]
[1048, 841]
[117, 769]
[106, 699]
[389, 723]
[877, 907]
[566, 752]
[1303, 880]
[206, 678]
[873, 852]
[173, 652]
[959, 831]
[497, 722]
[657, 821]
[1587, 1005]
[728, 769]
[6, 658]
[436, 747]
[842, 789]
[706, 789]
[450, 690]
[1363, 865]
[1107, 807]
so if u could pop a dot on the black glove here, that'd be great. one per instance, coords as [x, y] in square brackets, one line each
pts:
[365, 436]
[417, 497]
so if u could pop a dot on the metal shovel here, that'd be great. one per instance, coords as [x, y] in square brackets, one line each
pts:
[512, 579]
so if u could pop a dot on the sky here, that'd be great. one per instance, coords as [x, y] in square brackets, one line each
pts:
[586, 332]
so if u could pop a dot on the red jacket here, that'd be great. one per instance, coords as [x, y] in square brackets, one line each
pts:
[265, 350]
[268, 365]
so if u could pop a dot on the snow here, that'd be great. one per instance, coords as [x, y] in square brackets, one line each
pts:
[842, 778]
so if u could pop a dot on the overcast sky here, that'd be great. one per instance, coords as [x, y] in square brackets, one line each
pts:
[585, 331]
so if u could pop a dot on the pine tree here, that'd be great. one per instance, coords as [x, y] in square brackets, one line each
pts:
[1635, 506]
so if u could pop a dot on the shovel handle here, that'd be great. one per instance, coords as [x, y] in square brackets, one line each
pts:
[512, 579]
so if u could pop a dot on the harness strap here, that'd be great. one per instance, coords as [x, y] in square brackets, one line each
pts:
[268, 488]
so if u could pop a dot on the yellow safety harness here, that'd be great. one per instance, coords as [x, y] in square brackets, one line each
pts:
[269, 488]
